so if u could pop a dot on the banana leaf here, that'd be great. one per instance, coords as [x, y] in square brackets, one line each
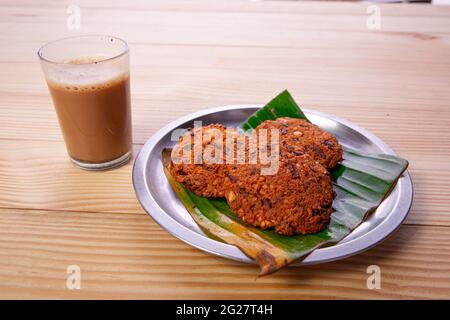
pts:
[361, 182]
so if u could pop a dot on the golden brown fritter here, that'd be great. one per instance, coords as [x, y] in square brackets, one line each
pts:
[298, 137]
[205, 178]
[295, 200]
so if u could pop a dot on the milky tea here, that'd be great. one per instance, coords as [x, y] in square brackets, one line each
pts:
[91, 96]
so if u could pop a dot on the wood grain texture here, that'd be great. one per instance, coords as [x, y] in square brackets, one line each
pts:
[39, 175]
[191, 55]
[129, 256]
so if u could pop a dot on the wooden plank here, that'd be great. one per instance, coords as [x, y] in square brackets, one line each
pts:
[129, 256]
[279, 7]
[347, 85]
[38, 175]
[223, 28]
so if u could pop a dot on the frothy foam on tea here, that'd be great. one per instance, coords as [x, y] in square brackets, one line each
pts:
[87, 86]
[88, 74]
[86, 60]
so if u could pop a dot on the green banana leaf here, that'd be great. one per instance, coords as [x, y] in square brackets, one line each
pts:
[361, 182]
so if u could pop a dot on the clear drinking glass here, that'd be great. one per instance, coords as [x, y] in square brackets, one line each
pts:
[89, 81]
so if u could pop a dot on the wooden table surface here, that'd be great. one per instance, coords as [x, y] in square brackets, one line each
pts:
[188, 56]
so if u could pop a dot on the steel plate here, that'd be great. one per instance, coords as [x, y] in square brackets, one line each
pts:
[159, 201]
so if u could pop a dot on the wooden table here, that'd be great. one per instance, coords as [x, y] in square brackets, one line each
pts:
[187, 56]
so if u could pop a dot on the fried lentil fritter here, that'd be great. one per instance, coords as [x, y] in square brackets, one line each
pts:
[298, 137]
[207, 179]
[297, 199]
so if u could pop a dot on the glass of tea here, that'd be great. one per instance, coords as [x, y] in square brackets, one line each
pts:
[89, 81]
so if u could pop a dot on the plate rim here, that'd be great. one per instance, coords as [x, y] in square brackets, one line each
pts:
[204, 243]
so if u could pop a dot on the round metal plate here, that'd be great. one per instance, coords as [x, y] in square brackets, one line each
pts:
[159, 201]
